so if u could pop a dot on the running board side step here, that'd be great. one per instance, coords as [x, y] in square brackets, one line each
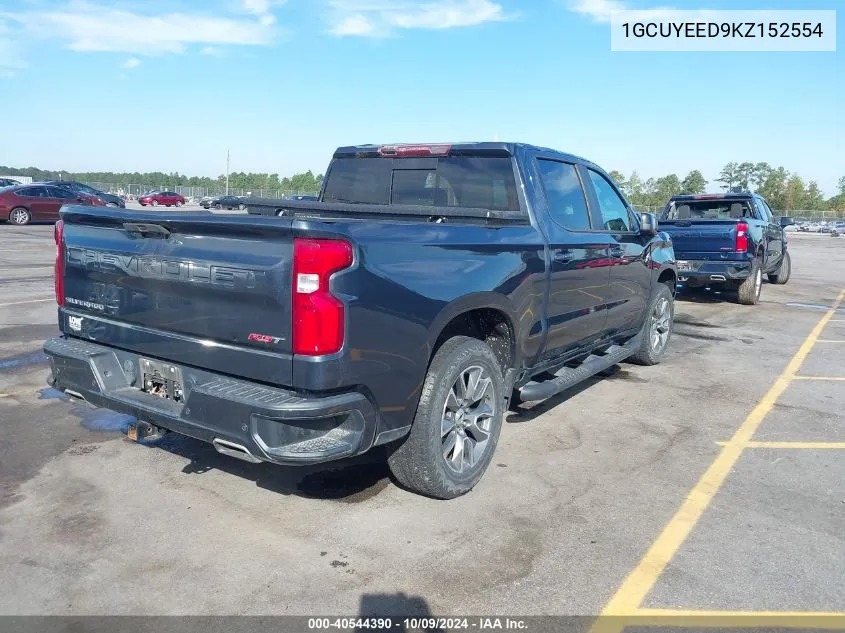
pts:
[567, 377]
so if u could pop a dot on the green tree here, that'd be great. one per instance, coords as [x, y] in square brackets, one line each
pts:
[729, 176]
[813, 198]
[841, 186]
[619, 178]
[745, 175]
[665, 188]
[795, 193]
[774, 188]
[761, 172]
[694, 183]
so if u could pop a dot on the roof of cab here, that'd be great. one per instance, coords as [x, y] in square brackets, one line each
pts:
[483, 146]
[739, 195]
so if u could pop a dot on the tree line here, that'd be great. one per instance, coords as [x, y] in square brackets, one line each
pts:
[306, 181]
[784, 190]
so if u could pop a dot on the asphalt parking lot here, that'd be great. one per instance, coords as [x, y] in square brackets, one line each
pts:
[710, 483]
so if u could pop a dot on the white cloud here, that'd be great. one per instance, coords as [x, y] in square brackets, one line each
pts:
[212, 51]
[597, 10]
[380, 18]
[89, 27]
[132, 62]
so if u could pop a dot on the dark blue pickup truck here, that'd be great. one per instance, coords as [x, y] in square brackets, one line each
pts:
[728, 240]
[429, 287]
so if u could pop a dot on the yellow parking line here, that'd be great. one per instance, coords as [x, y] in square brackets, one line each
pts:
[819, 377]
[19, 303]
[790, 444]
[628, 598]
[819, 620]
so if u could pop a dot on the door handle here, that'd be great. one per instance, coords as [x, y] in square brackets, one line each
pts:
[563, 256]
[147, 230]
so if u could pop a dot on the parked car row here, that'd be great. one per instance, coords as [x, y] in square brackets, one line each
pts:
[824, 226]
[22, 204]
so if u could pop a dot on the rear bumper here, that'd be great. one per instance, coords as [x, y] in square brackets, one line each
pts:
[271, 424]
[710, 271]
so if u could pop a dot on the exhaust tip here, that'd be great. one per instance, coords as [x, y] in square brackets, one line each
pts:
[238, 451]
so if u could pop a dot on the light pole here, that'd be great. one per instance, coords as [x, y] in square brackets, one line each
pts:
[227, 172]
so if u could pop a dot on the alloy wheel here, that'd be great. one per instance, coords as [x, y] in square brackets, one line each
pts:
[467, 419]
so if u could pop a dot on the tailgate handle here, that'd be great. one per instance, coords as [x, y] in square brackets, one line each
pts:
[147, 230]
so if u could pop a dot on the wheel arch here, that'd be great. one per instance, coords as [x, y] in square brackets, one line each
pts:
[485, 316]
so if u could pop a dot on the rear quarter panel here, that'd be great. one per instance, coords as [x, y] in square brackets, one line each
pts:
[408, 281]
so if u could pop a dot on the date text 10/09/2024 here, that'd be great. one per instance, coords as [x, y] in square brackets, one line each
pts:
[418, 624]
[722, 29]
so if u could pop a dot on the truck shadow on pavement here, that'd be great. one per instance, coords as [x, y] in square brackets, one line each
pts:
[397, 607]
[352, 480]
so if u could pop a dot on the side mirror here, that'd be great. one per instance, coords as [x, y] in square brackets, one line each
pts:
[648, 224]
[786, 221]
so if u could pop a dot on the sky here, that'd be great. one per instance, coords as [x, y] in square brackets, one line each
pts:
[171, 85]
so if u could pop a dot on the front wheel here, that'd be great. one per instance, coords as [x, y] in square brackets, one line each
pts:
[657, 330]
[20, 216]
[748, 292]
[241, 207]
[784, 271]
[154, 203]
[458, 421]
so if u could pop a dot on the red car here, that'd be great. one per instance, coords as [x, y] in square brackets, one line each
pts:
[23, 204]
[167, 198]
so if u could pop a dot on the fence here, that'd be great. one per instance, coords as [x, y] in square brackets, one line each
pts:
[196, 192]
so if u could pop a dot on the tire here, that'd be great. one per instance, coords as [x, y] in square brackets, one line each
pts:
[217, 206]
[20, 216]
[111, 204]
[154, 203]
[178, 203]
[784, 271]
[434, 463]
[657, 329]
[748, 293]
[241, 207]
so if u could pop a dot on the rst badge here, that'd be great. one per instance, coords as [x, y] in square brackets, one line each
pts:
[264, 338]
[74, 323]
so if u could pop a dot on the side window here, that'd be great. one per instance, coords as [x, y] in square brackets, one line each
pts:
[614, 212]
[766, 212]
[33, 192]
[60, 192]
[565, 196]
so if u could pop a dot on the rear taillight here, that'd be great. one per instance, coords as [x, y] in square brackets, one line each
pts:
[318, 316]
[59, 269]
[741, 237]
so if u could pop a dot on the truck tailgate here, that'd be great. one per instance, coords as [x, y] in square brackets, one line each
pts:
[697, 237]
[198, 289]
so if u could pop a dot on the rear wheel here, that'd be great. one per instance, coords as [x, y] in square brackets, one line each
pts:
[178, 203]
[784, 271]
[458, 421]
[657, 329]
[20, 216]
[748, 292]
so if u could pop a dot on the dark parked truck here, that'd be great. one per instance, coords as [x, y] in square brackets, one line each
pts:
[728, 240]
[428, 289]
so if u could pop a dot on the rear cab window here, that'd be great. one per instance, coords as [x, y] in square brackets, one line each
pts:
[708, 210]
[485, 182]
